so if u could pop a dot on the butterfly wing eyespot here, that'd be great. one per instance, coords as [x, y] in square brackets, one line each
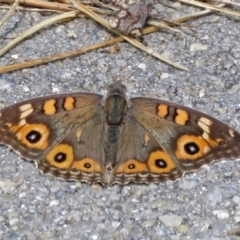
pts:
[32, 135]
[190, 147]
[131, 166]
[221, 142]
[61, 156]
[86, 165]
[158, 167]
[160, 162]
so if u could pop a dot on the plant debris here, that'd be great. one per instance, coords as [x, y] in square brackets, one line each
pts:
[125, 19]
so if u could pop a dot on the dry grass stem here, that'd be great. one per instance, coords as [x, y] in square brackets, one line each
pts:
[41, 4]
[59, 56]
[230, 2]
[67, 54]
[20, 9]
[37, 27]
[9, 13]
[131, 40]
[164, 25]
[196, 15]
[98, 3]
[211, 7]
[66, 6]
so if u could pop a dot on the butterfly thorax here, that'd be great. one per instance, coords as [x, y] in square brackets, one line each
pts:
[115, 109]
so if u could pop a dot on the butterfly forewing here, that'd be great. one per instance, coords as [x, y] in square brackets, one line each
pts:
[35, 126]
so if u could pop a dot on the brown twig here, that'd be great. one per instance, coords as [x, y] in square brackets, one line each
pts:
[67, 54]
[129, 39]
[211, 7]
[9, 13]
[66, 7]
[41, 4]
[37, 27]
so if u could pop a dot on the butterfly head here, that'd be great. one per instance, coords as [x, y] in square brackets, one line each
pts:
[116, 88]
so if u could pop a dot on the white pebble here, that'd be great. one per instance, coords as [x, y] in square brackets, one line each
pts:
[15, 56]
[165, 75]
[183, 228]
[142, 66]
[188, 184]
[55, 90]
[198, 47]
[26, 89]
[13, 221]
[214, 195]
[237, 219]
[53, 203]
[221, 214]
[236, 199]
[115, 224]
[202, 93]
[171, 220]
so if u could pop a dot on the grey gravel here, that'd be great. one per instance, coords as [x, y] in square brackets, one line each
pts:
[201, 205]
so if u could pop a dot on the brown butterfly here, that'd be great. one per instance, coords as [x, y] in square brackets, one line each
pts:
[112, 139]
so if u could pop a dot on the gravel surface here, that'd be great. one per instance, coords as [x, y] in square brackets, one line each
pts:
[201, 205]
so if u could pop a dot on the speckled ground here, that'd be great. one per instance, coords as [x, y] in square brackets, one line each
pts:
[201, 205]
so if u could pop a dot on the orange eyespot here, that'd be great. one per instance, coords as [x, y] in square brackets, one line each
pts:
[33, 135]
[160, 162]
[190, 147]
[61, 156]
[131, 166]
[86, 165]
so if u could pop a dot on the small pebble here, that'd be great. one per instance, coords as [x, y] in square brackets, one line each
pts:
[54, 203]
[198, 47]
[183, 228]
[171, 220]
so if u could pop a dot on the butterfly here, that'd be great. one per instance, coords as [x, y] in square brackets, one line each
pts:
[114, 139]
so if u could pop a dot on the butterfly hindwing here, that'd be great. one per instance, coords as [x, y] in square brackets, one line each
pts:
[141, 158]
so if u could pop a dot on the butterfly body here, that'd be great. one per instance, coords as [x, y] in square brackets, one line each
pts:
[113, 139]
